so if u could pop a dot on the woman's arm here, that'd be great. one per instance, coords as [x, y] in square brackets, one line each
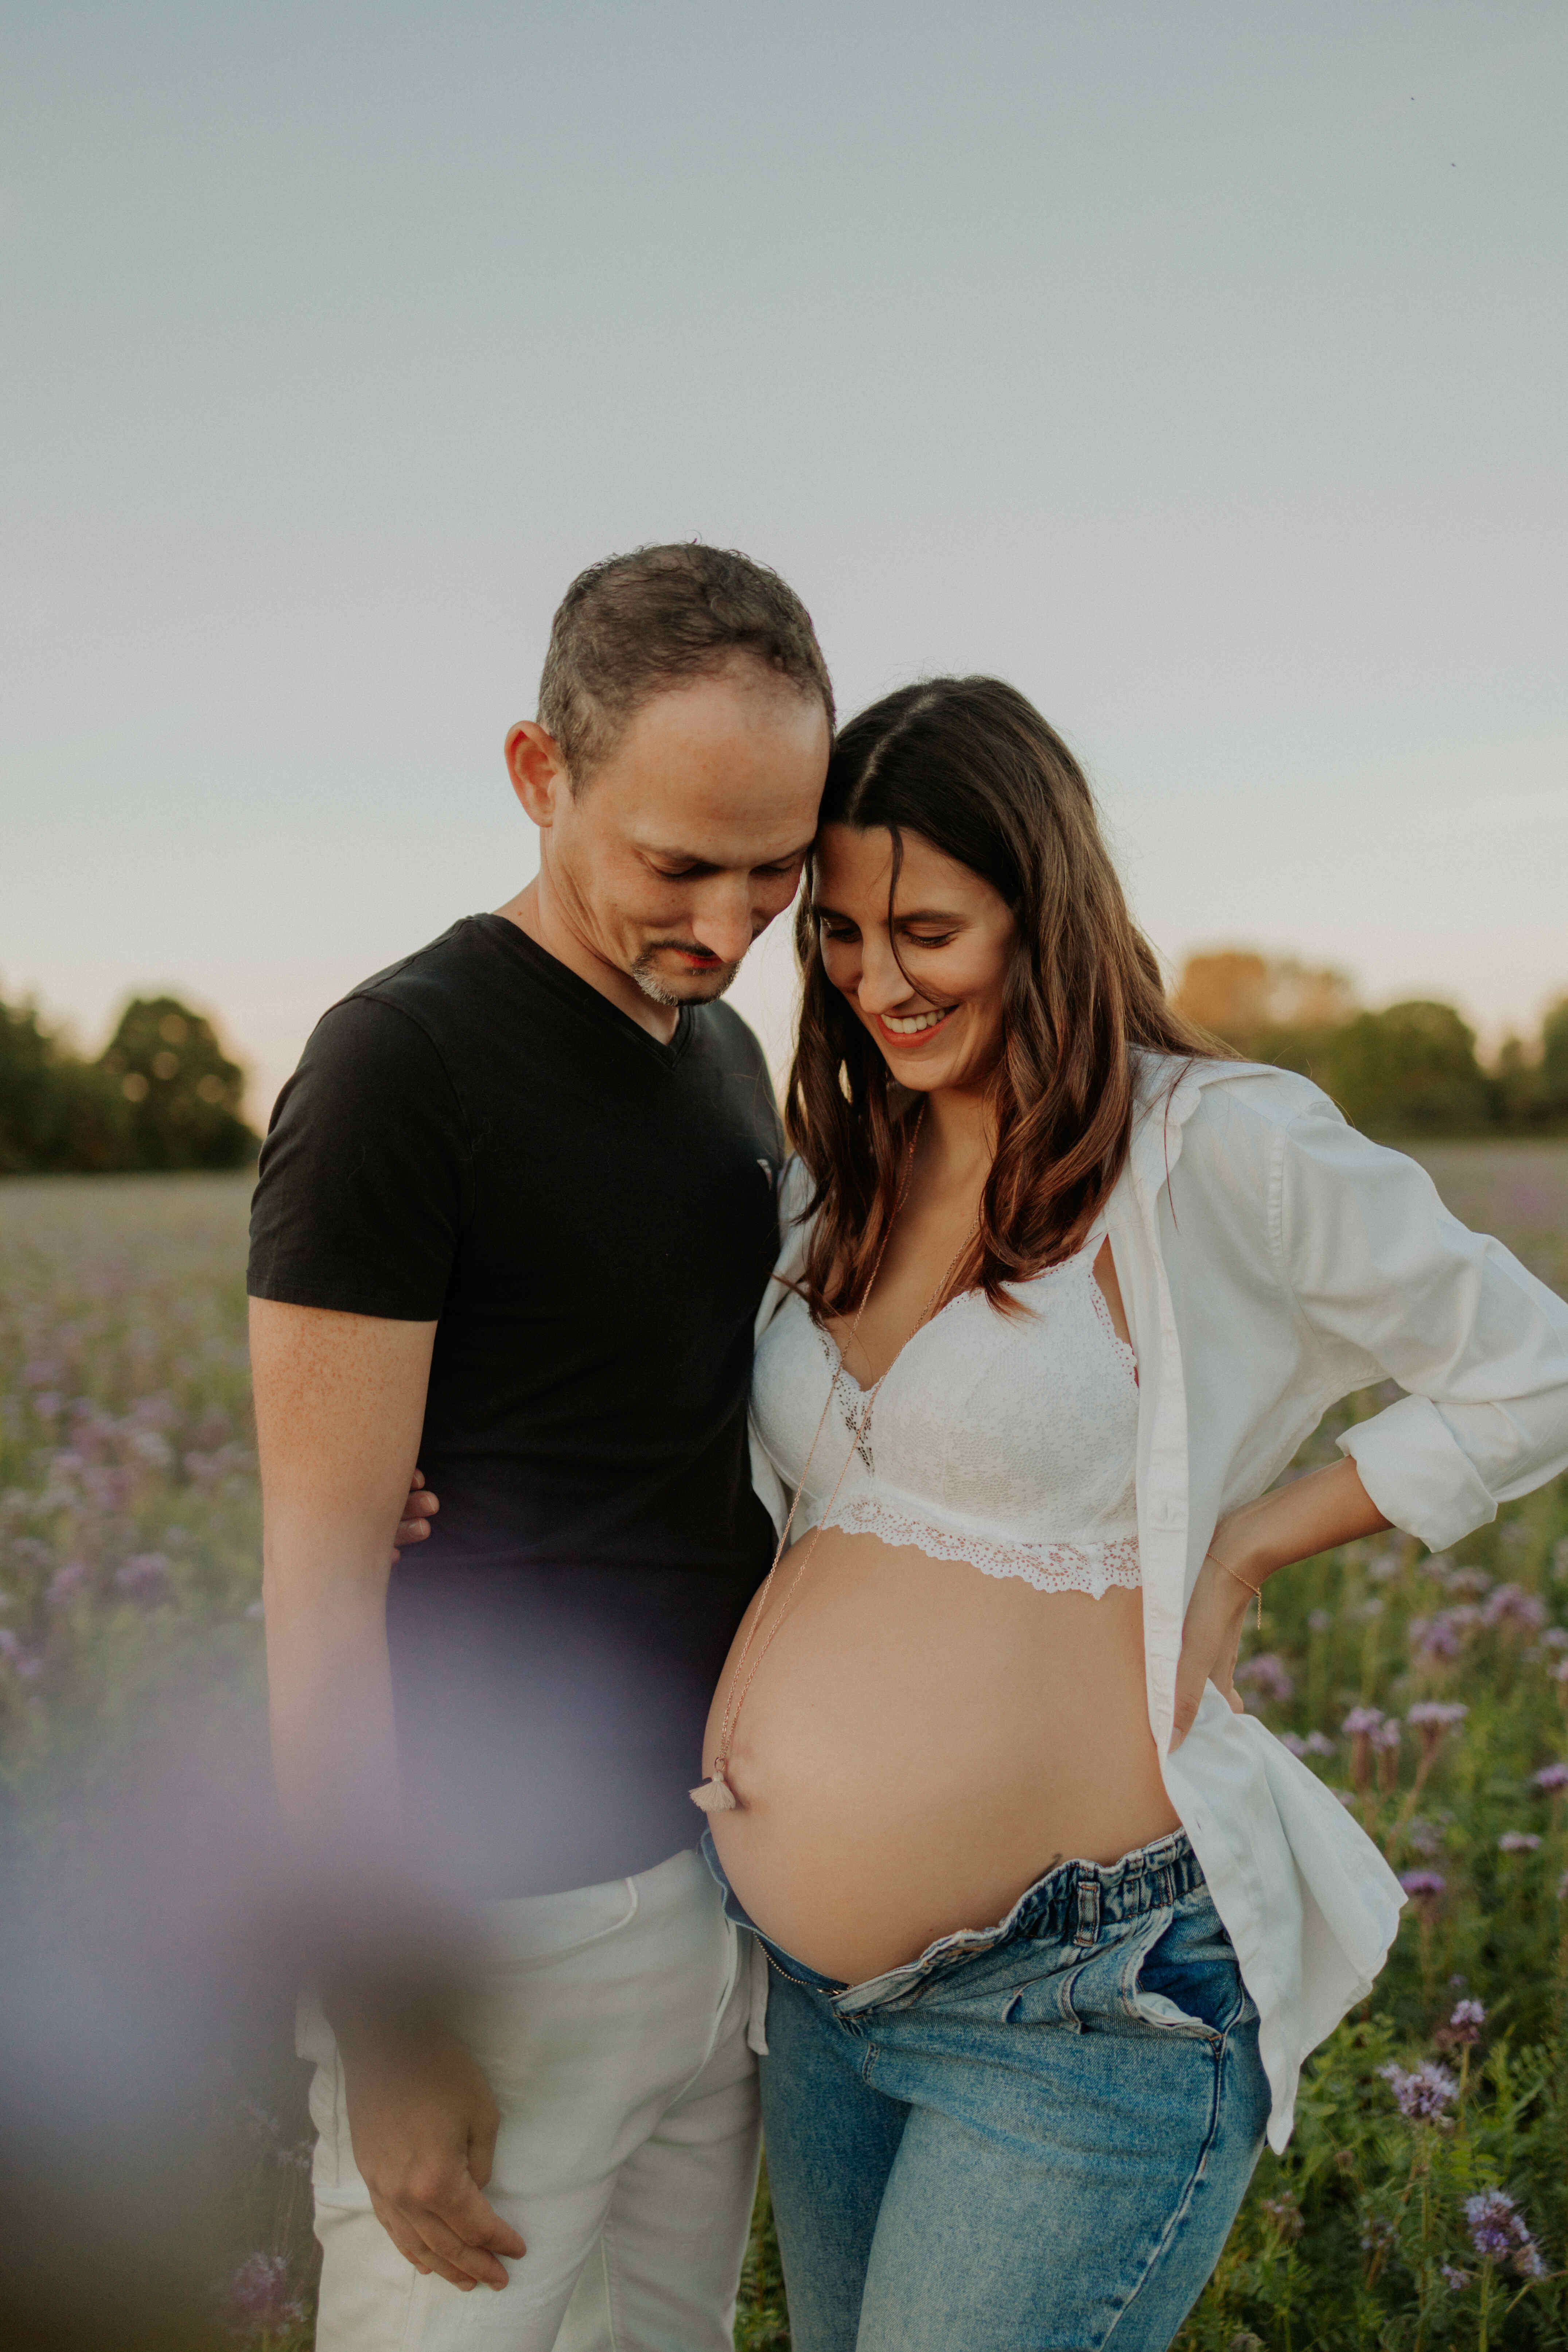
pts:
[1312, 1515]
[1388, 1282]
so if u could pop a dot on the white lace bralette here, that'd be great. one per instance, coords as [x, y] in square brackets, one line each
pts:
[1009, 1441]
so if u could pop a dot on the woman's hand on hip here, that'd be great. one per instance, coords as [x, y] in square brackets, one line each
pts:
[1211, 1636]
[1310, 1513]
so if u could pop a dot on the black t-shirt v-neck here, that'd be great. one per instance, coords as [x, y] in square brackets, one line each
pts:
[477, 1137]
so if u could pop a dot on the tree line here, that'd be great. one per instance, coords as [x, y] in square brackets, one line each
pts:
[165, 1094]
[162, 1094]
[1411, 1070]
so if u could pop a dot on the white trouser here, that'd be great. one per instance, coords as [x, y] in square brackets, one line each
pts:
[611, 2024]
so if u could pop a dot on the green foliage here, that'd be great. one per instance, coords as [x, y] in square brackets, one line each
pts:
[1408, 1071]
[55, 1112]
[1411, 1070]
[183, 1091]
[164, 1095]
[1554, 1060]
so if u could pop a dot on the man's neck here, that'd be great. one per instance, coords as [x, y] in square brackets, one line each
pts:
[538, 913]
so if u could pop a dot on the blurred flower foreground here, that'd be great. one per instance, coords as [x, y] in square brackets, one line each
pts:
[1424, 2200]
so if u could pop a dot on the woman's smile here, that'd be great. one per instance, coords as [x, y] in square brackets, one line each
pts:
[902, 1030]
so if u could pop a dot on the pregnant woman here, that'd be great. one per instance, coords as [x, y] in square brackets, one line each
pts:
[1048, 1924]
[1044, 1925]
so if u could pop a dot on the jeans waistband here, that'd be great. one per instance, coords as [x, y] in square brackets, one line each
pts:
[1074, 1902]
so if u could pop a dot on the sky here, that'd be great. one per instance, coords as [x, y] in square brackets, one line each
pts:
[1199, 369]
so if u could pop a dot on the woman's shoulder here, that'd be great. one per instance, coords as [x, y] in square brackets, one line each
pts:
[1202, 1094]
[1230, 1125]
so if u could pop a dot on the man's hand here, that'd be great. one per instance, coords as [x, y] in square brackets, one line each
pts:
[418, 1509]
[424, 2122]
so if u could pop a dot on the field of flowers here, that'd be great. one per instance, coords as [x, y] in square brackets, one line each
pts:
[1424, 2200]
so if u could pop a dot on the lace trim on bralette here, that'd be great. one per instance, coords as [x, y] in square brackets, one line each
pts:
[1091, 1567]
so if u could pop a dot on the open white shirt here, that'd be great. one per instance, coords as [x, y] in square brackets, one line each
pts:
[1272, 1260]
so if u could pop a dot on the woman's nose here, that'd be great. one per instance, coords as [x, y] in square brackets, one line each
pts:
[882, 984]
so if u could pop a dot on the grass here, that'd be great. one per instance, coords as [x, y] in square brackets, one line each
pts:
[129, 1575]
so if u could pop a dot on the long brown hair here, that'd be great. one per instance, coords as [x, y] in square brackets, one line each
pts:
[969, 765]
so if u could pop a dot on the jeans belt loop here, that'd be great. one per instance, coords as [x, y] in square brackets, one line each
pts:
[1088, 1911]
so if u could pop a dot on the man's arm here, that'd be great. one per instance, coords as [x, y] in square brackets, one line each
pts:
[339, 1402]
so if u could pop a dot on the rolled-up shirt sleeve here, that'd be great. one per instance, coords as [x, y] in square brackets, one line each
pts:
[1379, 1268]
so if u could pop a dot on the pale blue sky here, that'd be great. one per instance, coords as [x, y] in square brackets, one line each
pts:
[1200, 368]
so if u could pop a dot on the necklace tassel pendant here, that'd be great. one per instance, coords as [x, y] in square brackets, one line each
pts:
[715, 1795]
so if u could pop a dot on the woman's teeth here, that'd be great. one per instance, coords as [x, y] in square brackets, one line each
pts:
[911, 1025]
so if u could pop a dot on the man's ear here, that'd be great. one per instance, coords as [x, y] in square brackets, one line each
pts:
[537, 770]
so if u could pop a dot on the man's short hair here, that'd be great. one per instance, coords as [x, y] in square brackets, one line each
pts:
[637, 624]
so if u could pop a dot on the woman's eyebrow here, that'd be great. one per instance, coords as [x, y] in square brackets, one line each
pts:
[912, 915]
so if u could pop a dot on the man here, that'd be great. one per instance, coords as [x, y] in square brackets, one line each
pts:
[516, 1212]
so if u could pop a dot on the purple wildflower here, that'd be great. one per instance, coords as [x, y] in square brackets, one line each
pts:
[1425, 2094]
[1559, 1673]
[1438, 1641]
[1456, 2280]
[1358, 1727]
[1499, 2234]
[1469, 1583]
[1267, 1675]
[1424, 1887]
[1518, 1842]
[66, 1584]
[1511, 1606]
[1552, 1779]
[259, 2298]
[1466, 2020]
[1435, 1714]
[1285, 2214]
[25, 1662]
[1495, 2223]
[144, 1578]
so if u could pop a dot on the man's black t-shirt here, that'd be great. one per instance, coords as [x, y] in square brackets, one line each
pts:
[477, 1137]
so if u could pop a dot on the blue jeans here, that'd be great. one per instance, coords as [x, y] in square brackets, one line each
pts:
[1036, 2136]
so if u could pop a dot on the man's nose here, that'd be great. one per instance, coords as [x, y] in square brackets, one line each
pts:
[723, 922]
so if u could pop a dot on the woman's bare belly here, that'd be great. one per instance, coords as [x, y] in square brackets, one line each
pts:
[922, 1743]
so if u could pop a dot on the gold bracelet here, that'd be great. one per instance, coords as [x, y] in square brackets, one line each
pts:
[1256, 1589]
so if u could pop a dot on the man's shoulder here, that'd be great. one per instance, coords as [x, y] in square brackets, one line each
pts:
[440, 989]
[434, 971]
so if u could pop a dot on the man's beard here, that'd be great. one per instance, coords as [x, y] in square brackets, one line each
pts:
[651, 981]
